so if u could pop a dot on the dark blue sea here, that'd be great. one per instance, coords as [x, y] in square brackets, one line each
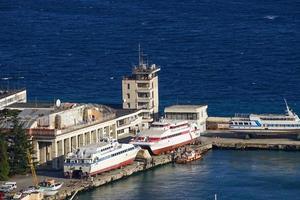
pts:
[234, 55]
[231, 175]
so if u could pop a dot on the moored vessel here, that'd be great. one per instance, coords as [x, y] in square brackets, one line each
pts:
[49, 187]
[188, 156]
[96, 158]
[166, 135]
[266, 123]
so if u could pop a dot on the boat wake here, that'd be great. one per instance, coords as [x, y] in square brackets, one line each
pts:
[270, 17]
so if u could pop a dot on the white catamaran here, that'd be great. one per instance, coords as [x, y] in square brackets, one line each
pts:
[100, 157]
[288, 122]
[166, 135]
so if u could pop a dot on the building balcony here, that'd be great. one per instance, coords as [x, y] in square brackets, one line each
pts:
[144, 89]
[144, 99]
[145, 107]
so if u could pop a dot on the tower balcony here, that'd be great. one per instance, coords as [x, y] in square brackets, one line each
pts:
[144, 99]
[144, 89]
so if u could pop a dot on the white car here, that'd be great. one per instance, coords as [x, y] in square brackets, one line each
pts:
[8, 187]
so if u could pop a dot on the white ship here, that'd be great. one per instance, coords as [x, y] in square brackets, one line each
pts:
[165, 135]
[96, 158]
[288, 122]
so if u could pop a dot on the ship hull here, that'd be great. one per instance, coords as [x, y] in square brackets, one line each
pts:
[169, 144]
[116, 166]
[170, 148]
[111, 163]
[266, 131]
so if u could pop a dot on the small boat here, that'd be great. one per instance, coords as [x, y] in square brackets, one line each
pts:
[30, 190]
[49, 187]
[17, 195]
[188, 156]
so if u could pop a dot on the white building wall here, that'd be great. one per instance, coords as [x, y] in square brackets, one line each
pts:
[179, 112]
[18, 97]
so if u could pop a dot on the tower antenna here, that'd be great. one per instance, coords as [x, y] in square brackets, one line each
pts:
[139, 54]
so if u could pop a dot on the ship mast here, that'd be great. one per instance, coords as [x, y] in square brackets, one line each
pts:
[288, 110]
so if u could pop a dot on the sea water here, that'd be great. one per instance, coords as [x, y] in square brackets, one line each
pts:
[231, 175]
[234, 55]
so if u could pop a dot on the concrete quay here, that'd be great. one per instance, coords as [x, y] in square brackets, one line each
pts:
[253, 144]
[73, 185]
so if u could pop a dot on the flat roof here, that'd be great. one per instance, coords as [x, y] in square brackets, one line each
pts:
[31, 105]
[7, 93]
[184, 108]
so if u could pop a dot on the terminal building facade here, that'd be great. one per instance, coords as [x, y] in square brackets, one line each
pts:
[192, 113]
[57, 130]
[8, 97]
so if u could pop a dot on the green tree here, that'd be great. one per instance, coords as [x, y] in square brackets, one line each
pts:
[4, 165]
[20, 144]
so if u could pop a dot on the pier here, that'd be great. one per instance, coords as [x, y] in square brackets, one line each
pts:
[79, 185]
[284, 144]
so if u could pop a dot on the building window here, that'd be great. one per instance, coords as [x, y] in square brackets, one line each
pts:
[128, 105]
[128, 95]
[128, 86]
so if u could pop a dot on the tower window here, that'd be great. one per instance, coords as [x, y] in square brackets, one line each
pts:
[128, 95]
[128, 86]
[128, 105]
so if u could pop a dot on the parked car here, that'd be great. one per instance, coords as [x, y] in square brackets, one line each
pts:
[8, 187]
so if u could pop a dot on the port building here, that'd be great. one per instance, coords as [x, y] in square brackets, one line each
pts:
[140, 91]
[8, 97]
[192, 113]
[56, 130]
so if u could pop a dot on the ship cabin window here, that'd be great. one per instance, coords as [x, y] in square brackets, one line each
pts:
[67, 161]
[178, 126]
[240, 123]
[170, 136]
[105, 149]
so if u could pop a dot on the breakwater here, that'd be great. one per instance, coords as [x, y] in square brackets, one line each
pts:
[254, 144]
[79, 185]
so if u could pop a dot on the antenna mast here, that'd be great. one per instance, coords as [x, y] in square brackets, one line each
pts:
[139, 54]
